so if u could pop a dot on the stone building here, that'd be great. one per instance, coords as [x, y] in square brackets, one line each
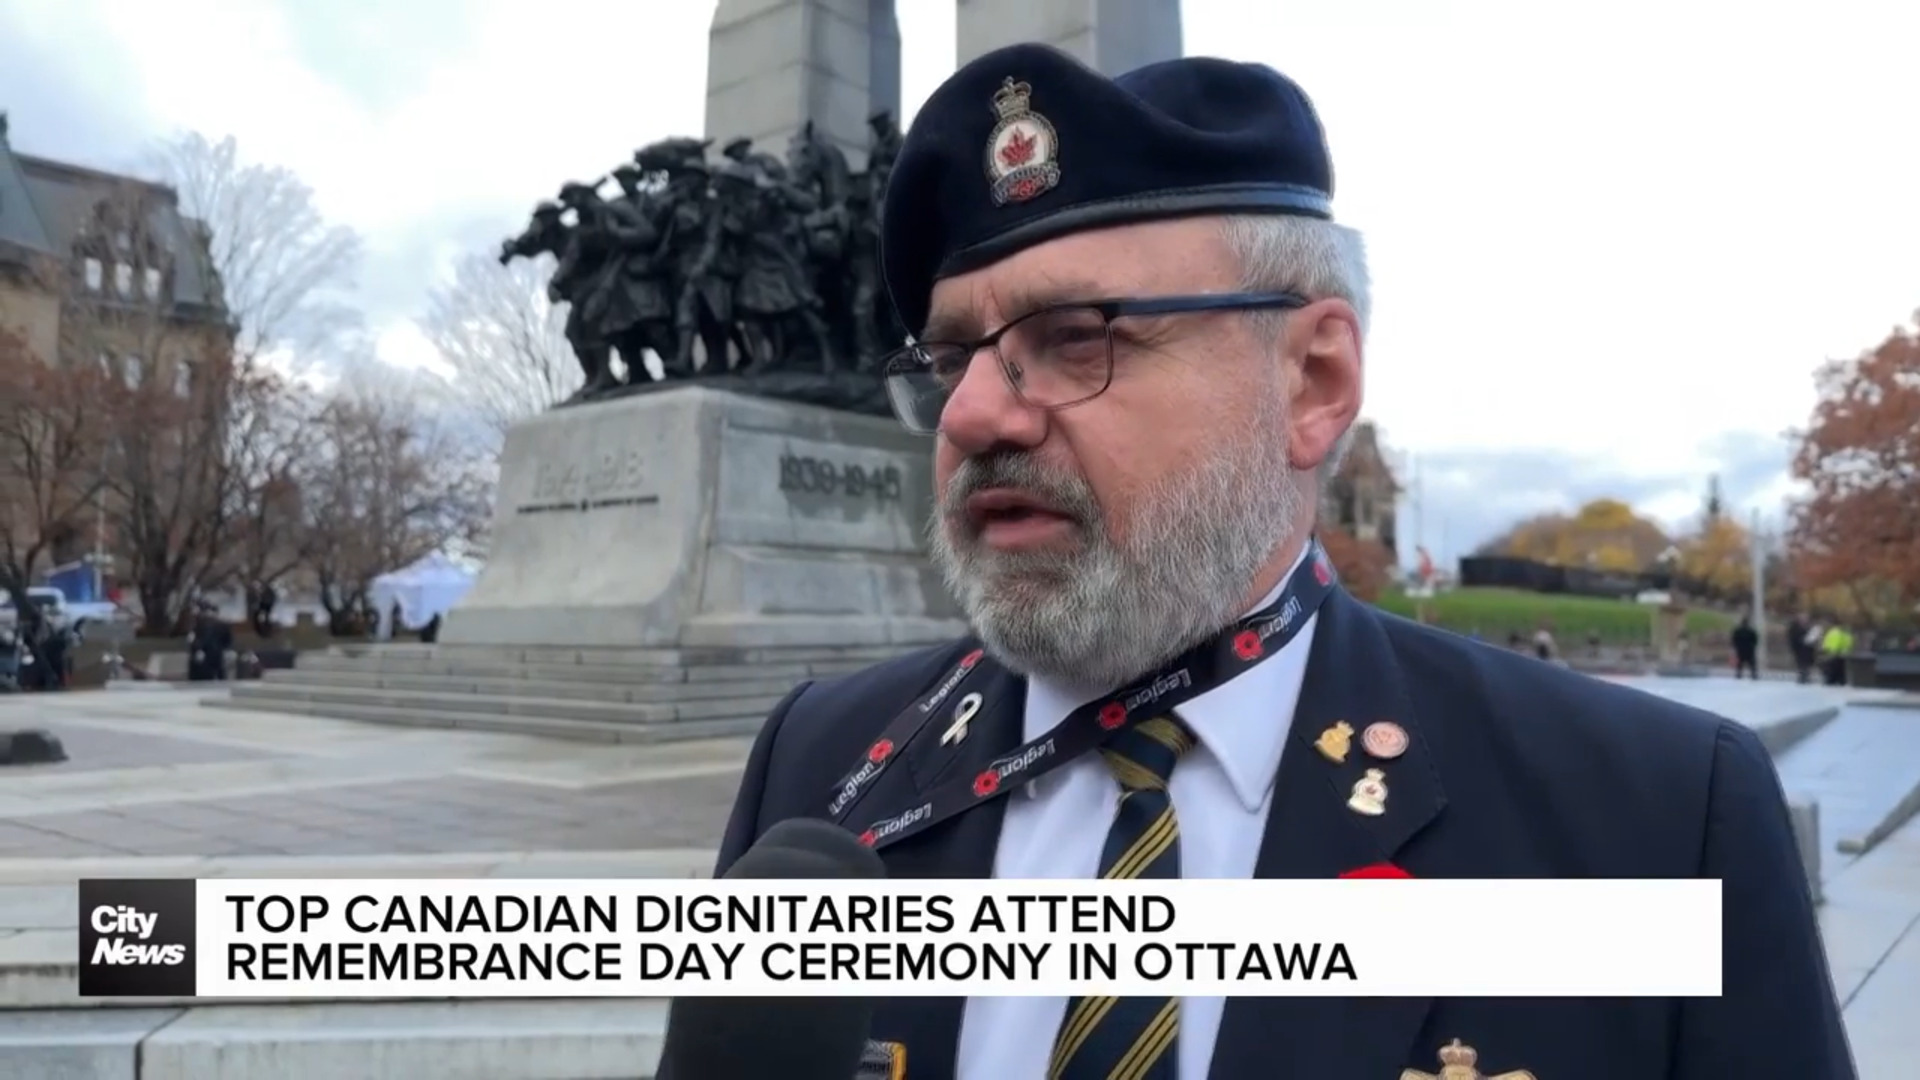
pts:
[1362, 498]
[103, 268]
[100, 265]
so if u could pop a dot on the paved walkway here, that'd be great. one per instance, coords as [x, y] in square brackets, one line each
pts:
[1871, 922]
[152, 773]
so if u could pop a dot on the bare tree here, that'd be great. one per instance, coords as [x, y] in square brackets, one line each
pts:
[282, 269]
[51, 441]
[272, 443]
[502, 340]
[385, 488]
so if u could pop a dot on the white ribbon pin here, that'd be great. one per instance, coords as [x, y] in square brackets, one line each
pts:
[962, 715]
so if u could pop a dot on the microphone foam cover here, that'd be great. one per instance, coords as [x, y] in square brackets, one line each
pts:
[810, 1038]
[801, 848]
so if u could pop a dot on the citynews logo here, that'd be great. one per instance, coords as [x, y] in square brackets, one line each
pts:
[136, 938]
[122, 920]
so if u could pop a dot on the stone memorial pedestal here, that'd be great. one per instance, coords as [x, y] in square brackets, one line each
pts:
[696, 518]
[663, 565]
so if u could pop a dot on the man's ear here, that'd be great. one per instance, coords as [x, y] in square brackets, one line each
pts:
[1324, 347]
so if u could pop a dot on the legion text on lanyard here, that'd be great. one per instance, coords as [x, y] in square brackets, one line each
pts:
[1236, 649]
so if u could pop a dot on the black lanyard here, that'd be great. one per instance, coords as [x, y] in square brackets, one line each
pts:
[1236, 649]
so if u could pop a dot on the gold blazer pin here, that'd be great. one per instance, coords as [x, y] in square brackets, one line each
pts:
[1459, 1062]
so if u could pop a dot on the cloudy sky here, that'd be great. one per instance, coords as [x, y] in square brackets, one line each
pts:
[1611, 243]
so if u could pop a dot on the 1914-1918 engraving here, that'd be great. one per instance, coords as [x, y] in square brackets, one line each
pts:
[611, 478]
[817, 476]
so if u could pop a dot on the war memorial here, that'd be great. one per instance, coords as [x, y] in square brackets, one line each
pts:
[670, 555]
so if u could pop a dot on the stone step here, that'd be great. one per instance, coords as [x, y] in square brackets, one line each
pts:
[608, 1039]
[663, 657]
[585, 688]
[555, 727]
[602, 673]
[265, 695]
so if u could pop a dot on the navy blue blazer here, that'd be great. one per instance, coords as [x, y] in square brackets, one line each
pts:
[1515, 769]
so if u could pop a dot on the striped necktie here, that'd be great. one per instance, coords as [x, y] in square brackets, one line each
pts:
[1105, 1038]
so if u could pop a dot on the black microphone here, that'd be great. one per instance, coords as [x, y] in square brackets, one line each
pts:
[807, 1038]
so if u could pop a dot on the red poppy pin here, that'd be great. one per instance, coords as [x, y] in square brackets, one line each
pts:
[868, 838]
[1247, 645]
[986, 783]
[1376, 871]
[881, 751]
[1112, 715]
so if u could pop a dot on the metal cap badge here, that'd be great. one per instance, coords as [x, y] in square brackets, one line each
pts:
[1021, 150]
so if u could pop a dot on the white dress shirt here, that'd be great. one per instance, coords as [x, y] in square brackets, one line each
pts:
[1057, 827]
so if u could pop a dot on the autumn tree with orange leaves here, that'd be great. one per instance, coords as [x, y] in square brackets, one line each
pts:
[1605, 534]
[1859, 529]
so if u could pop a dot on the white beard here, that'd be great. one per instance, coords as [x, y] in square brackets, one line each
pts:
[1099, 617]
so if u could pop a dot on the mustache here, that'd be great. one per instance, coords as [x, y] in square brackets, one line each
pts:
[1019, 471]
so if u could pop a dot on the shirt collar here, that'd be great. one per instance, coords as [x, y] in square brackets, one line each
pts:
[1243, 722]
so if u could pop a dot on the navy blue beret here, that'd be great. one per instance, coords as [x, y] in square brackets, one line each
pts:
[1026, 144]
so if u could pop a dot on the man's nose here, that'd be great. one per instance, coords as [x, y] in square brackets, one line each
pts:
[983, 412]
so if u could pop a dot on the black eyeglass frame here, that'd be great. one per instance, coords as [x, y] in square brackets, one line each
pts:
[905, 360]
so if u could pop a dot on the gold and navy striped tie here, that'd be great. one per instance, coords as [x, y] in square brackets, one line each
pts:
[1105, 1038]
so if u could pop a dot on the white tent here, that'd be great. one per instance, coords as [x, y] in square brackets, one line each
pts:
[427, 588]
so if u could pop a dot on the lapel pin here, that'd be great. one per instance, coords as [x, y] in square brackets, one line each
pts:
[962, 716]
[1385, 740]
[1369, 794]
[1334, 742]
[1459, 1062]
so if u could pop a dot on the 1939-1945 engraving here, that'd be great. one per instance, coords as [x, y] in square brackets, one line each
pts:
[817, 476]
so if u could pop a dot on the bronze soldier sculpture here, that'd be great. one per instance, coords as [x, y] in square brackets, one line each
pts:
[745, 270]
[579, 281]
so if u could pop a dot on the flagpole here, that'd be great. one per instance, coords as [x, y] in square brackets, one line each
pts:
[1758, 556]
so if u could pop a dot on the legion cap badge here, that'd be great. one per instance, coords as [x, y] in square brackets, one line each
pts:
[1021, 150]
[1459, 1062]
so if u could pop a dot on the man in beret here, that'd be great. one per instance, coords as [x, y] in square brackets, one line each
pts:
[1136, 346]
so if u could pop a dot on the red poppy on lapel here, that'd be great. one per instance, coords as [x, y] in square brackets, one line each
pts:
[1377, 870]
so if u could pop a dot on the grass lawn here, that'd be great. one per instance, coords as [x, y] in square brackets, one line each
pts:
[1495, 613]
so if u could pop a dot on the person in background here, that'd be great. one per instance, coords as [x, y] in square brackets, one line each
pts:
[264, 600]
[1800, 644]
[208, 645]
[1834, 647]
[1746, 649]
[1544, 646]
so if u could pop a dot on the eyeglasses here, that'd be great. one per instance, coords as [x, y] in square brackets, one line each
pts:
[1053, 358]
